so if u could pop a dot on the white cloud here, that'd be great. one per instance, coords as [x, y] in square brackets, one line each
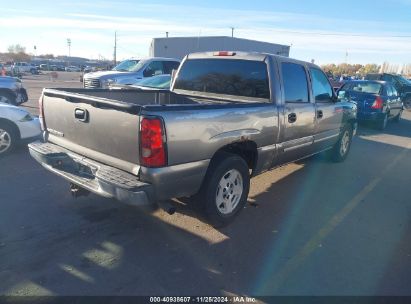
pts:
[92, 33]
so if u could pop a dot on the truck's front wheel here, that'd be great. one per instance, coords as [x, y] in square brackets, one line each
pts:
[225, 189]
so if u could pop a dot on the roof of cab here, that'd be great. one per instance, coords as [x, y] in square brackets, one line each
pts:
[245, 56]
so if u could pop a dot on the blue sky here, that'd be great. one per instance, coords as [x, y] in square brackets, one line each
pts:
[369, 31]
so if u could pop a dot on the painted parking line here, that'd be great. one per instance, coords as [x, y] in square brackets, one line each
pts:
[309, 247]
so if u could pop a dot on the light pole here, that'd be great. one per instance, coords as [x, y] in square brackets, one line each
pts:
[69, 49]
[232, 32]
[69, 46]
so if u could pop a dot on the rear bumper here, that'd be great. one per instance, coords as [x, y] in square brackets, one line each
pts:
[372, 116]
[97, 178]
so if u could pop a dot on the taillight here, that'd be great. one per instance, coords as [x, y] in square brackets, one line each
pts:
[41, 113]
[378, 103]
[152, 143]
[224, 53]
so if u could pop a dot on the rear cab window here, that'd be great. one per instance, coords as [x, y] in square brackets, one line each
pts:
[241, 78]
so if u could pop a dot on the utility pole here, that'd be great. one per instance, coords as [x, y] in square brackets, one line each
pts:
[115, 48]
[232, 32]
[166, 34]
[69, 49]
[69, 46]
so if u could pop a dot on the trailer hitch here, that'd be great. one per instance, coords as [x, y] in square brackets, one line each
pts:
[77, 191]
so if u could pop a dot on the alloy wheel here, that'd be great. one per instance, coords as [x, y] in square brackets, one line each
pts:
[345, 143]
[5, 141]
[229, 191]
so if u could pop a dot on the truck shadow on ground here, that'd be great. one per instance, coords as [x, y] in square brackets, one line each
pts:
[96, 246]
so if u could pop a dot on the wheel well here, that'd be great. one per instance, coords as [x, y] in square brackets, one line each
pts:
[246, 150]
[11, 125]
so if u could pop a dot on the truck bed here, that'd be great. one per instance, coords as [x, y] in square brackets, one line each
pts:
[109, 130]
[133, 98]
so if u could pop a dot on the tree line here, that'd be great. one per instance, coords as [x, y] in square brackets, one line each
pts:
[17, 53]
[350, 69]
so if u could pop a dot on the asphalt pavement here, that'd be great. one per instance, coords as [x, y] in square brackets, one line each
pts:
[311, 228]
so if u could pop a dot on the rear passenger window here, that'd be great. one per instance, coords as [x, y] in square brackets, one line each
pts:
[322, 90]
[295, 82]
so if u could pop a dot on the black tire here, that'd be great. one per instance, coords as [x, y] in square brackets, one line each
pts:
[7, 97]
[220, 170]
[8, 138]
[342, 147]
[382, 124]
[398, 117]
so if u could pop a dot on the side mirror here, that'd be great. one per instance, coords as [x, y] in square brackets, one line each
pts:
[343, 96]
[324, 97]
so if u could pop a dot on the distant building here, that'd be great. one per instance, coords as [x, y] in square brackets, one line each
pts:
[178, 47]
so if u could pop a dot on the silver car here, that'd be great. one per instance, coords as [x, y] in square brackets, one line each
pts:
[130, 72]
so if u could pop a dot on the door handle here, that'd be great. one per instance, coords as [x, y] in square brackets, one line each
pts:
[81, 115]
[320, 114]
[292, 118]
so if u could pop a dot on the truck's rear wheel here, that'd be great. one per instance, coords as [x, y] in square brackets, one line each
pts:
[225, 189]
[340, 150]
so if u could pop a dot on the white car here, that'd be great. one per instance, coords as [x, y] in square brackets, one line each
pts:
[16, 126]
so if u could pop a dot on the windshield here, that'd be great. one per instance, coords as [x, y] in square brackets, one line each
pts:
[161, 82]
[131, 65]
[236, 77]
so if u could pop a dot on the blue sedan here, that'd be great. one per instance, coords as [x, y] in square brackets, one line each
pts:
[377, 101]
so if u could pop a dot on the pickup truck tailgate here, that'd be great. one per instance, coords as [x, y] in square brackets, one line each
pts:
[103, 131]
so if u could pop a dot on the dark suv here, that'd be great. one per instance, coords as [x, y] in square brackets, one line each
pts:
[401, 84]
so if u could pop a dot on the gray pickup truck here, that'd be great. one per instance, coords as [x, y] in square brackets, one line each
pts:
[228, 116]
